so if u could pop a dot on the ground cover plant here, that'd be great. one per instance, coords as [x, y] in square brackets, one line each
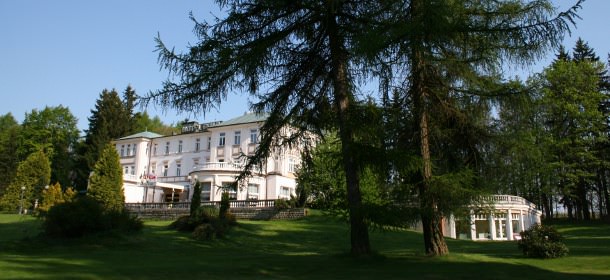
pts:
[313, 247]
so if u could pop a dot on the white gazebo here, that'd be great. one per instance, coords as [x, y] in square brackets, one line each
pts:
[506, 217]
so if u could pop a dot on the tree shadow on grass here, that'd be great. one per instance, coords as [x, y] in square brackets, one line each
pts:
[276, 250]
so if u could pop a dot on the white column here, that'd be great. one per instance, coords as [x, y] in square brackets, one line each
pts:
[521, 222]
[492, 226]
[451, 223]
[213, 189]
[473, 226]
[509, 225]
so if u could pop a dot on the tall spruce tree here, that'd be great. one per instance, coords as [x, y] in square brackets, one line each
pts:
[106, 181]
[111, 119]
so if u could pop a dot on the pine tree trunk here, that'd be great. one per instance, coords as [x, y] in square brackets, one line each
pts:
[359, 235]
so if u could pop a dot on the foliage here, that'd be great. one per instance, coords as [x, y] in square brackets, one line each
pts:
[302, 54]
[85, 216]
[143, 122]
[111, 119]
[32, 175]
[9, 144]
[542, 242]
[200, 216]
[224, 204]
[282, 203]
[451, 52]
[54, 131]
[54, 195]
[205, 223]
[106, 182]
[196, 199]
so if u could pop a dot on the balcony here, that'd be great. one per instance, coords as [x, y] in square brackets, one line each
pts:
[219, 166]
[511, 200]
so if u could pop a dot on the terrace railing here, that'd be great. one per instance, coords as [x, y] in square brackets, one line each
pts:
[186, 205]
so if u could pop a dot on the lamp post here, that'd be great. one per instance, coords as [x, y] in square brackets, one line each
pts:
[21, 200]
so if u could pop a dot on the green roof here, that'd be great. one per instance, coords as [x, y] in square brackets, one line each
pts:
[246, 118]
[145, 134]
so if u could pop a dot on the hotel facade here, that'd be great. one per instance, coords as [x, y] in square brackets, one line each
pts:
[158, 168]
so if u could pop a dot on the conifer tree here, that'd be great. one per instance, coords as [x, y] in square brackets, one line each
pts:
[448, 49]
[106, 181]
[9, 141]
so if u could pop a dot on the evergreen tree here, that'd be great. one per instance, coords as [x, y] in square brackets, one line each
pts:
[33, 174]
[54, 195]
[299, 61]
[196, 199]
[106, 181]
[9, 142]
[111, 119]
[454, 48]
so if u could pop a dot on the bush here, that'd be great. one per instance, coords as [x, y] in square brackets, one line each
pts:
[281, 204]
[202, 215]
[542, 242]
[224, 204]
[204, 232]
[86, 216]
[206, 223]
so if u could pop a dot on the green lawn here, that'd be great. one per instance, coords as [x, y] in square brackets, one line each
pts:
[313, 248]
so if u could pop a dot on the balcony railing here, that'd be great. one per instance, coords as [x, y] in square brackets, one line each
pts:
[219, 166]
[186, 205]
[511, 199]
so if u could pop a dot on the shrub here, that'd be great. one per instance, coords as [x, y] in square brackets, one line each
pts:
[202, 215]
[281, 203]
[73, 219]
[196, 199]
[204, 232]
[224, 204]
[86, 216]
[542, 242]
[206, 223]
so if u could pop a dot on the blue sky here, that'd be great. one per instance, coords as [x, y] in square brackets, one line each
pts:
[66, 52]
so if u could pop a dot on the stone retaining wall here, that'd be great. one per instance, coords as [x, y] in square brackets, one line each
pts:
[240, 213]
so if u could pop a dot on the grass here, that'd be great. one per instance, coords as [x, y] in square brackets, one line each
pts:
[312, 248]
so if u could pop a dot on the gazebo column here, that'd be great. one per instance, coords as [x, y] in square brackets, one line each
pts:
[492, 226]
[473, 226]
[509, 225]
[521, 222]
[451, 223]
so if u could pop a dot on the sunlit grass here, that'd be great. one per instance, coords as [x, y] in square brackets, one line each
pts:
[316, 247]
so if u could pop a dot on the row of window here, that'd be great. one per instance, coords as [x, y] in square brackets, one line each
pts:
[130, 151]
[221, 142]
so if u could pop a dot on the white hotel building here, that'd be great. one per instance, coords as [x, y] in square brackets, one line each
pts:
[159, 168]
